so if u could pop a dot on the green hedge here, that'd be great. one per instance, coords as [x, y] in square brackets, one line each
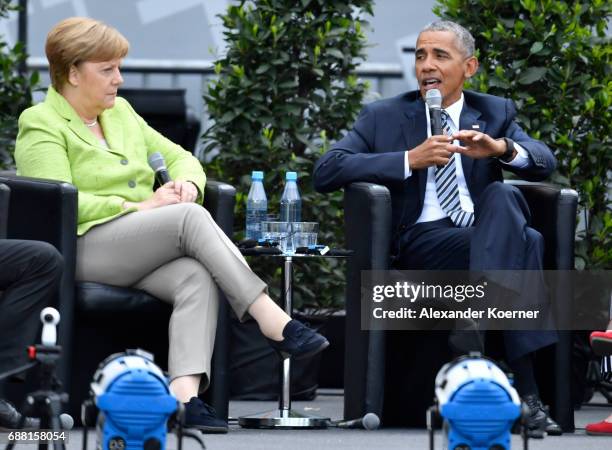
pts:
[285, 88]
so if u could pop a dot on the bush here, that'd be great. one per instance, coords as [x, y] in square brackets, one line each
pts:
[15, 91]
[285, 88]
[553, 59]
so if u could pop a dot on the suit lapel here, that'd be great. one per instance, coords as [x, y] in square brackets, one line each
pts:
[63, 108]
[113, 131]
[79, 128]
[469, 121]
[414, 129]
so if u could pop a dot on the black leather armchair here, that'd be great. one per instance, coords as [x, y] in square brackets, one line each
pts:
[97, 319]
[167, 112]
[5, 194]
[367, 209]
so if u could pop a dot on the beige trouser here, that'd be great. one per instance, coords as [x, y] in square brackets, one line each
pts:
[178, 254]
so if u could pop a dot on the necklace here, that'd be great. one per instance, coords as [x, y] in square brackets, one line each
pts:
[92, 124]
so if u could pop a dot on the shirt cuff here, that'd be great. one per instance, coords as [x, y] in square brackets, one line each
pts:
[521, 160]
[407, 170]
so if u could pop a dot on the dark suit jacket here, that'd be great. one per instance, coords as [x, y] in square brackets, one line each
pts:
[373, 151]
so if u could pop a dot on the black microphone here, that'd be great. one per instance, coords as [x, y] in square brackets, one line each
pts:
[433, 98]
[368, 422]
[157, 163]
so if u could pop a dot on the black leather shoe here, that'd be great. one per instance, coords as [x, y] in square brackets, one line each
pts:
[539, 420]
[201, 416]
[10, 417]
[299, 341]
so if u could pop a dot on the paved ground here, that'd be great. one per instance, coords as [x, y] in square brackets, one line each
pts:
[339, 439]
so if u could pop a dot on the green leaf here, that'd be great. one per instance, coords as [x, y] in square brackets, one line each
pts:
[262, 69]
[288, 84]
[532, 74]
[536, 47]
[228, 117]
[498, 82]
[335, 53]
[318, 72]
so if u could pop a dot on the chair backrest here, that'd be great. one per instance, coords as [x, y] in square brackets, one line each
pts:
[167, 112]
[553, 214]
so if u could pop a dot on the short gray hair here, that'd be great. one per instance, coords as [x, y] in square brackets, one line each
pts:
[465, 40]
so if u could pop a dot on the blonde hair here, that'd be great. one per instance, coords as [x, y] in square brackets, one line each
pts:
[78, 39]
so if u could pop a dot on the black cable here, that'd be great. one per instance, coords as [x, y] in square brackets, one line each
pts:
[18, 370]
[195, 436]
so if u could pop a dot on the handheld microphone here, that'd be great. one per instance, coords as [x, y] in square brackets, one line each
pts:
[368, 422]
[157, 163]
[433, 98]
[50, 317]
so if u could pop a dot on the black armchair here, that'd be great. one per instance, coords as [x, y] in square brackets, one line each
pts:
[167, 112]
[5, 194]
[98, 319]
[367, 209]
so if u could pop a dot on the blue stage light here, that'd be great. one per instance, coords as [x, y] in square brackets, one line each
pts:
[135, 402]
[477, 404]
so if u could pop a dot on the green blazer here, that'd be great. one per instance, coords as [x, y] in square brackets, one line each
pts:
[54, 143]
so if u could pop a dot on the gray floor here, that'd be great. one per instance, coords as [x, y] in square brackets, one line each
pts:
[330, 404]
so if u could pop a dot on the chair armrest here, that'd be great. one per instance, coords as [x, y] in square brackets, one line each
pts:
[5, 194]
[367, 224]
[219, 200]
[553, 213]
[46, 210]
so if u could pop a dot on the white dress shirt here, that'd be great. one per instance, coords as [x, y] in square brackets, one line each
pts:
[431, 206]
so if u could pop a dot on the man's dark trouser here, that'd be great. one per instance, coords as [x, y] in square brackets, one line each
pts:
[29, 274]
[499, 240]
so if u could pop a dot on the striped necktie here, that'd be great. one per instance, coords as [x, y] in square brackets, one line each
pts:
[447, 187]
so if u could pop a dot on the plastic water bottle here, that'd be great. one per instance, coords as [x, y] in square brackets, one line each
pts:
[257, 206]
[291, 203]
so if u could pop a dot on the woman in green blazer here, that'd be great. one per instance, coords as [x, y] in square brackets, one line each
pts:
[160, 241]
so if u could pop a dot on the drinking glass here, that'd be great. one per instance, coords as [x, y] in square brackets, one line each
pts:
[304, 233]
[278, 232]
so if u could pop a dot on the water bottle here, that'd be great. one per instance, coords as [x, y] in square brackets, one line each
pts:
[257, 206]
[291, 203]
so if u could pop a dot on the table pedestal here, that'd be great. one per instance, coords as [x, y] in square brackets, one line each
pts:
[284, 416]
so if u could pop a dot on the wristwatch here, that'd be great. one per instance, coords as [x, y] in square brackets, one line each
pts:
[507, 156]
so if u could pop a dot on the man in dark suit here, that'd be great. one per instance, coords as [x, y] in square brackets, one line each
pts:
[29, 275]
[450, 208]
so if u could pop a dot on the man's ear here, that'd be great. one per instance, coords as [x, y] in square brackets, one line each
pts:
[73, 76]
[471, 66]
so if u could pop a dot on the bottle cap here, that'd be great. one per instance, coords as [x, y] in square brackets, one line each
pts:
[257, 175]
[291, 176]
